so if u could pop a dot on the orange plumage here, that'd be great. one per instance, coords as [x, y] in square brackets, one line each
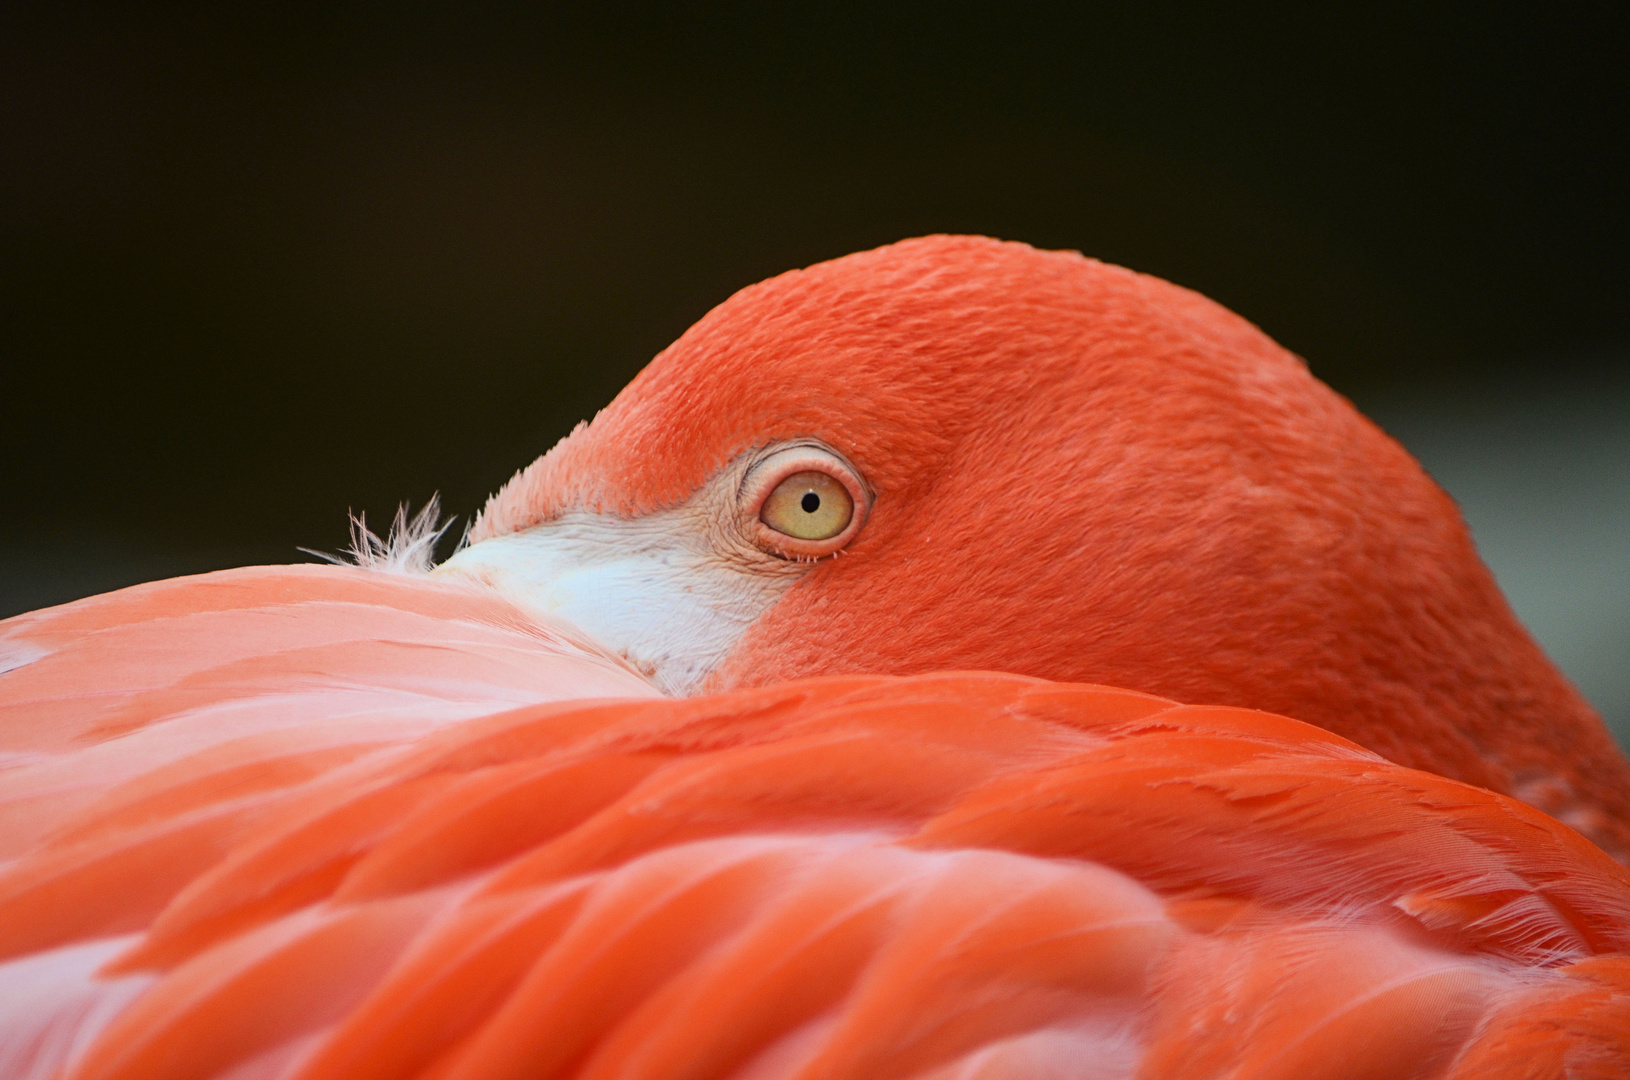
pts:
[321, 822]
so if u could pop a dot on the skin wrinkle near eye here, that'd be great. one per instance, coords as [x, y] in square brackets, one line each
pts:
[754, 462]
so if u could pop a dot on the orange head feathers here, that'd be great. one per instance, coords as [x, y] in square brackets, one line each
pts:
[1078, 472]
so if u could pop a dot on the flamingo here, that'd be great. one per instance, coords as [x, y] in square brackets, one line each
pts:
[895, 680]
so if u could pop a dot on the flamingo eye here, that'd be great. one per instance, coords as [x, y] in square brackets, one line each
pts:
[808, 505]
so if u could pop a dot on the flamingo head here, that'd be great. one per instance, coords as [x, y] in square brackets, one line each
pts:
[956, 453]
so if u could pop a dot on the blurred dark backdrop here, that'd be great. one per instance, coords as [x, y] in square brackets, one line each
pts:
[265, 265]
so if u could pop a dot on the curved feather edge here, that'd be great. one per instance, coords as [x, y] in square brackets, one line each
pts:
[310, 822]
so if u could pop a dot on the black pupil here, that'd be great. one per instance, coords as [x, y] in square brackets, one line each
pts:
[811, 502]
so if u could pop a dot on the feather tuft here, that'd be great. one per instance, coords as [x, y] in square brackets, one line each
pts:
[409, 547]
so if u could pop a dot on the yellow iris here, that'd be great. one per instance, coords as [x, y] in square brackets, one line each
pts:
[808, 506]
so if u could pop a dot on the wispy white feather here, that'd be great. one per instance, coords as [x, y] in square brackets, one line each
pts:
[409, 547]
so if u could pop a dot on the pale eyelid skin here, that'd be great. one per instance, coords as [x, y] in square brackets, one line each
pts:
[671, 591]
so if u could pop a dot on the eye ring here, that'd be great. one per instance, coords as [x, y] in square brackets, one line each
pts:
[831, 474]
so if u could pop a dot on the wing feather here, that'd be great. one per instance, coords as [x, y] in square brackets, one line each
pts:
[397, 829]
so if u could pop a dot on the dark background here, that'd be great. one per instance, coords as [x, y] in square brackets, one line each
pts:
[263, 266]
